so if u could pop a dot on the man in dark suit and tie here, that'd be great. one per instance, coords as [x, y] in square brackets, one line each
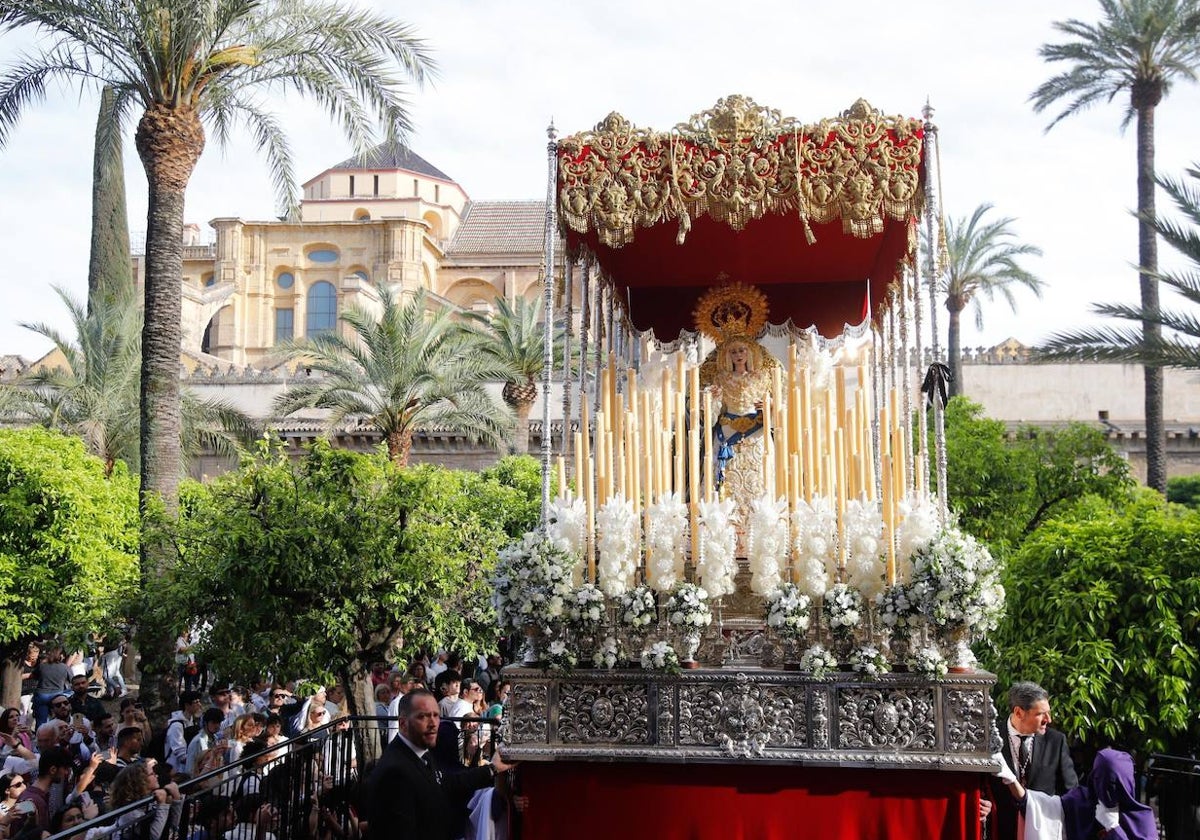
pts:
[409, 795]
[1038, 755]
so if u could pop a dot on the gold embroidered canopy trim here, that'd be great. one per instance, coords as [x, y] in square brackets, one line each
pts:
[737, 162]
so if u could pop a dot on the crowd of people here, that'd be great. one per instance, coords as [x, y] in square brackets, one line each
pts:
[70, 755]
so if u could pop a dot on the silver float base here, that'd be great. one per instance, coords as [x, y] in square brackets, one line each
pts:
[728, 715]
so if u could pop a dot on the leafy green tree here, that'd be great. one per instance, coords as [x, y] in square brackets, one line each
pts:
[982, 262]
[183, 64]
[514, 336]
[321, 566]
[96, 392]
[1178, 341]
[1184, 490]
[68, 543]
[1002, 488]
[399, 370]
[1102, 612]
[1138, 49]
[110, 271]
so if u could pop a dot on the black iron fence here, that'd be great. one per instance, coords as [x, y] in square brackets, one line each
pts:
[1174, 782]
[307, 787]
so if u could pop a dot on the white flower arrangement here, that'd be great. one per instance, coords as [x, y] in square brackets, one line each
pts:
[917, 525]
[560, 658]
[842, 608]
[898, 610]
[687, 608]
[566, 527]
[928, 661]
[585, 609]
[660, 656]
[789, 611]
[958, 583]
[814, 541]
[717, 564]
[865, 565]
[607, 653]
[767, 542]
[617, 545]
[868, 661]
[531, 583]
[637, 608]
[666, 538]
[818, 661]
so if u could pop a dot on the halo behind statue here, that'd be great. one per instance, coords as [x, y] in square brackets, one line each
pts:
[731, 310]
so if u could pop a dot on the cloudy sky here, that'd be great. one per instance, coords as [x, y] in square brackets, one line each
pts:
[508, 68]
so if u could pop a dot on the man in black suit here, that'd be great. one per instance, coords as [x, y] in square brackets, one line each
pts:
[409, 795]
[1038, 755]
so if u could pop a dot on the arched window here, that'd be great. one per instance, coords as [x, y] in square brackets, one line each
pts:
[322, 309]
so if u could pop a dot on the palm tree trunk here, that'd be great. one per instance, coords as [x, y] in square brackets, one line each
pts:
[520, 438]
[169, 143]
[954, 350]
[399, 446]
[1156, 456]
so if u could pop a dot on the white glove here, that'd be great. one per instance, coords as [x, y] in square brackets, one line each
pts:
[1005, 773]
[1109, 818]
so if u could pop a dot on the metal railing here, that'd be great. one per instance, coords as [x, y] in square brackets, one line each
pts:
[1175, 787]
[307, 787]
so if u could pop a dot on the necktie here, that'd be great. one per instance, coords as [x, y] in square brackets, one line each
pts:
[427, 760]
[1024, 756]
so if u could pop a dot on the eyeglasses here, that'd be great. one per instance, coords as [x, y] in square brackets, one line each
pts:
[279, 696]
[17, 783]
[60, 704]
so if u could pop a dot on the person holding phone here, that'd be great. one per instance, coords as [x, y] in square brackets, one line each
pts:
[54, 768]
[11, 787]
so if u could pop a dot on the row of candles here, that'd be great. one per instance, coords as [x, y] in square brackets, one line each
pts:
[819, 440]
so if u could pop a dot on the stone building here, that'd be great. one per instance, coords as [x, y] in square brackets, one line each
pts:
[388, 215]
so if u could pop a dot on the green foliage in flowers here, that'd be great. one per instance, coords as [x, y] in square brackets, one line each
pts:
[68, 539]
[322, 565]
[1104, 612]
[1002, 489]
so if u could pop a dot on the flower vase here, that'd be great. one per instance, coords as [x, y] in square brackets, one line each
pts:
[633, 642]
[899, 646]
[793, 649]
[959, 657]
[532, 653]
[586, 645]
[691, 644]
[841, 645]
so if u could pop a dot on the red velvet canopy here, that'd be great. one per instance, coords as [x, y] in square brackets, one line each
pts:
[745, 802]
[811, 215]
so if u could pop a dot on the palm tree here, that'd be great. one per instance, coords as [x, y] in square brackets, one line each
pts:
[96, 393]
[981, 262]
[400, 370]
[1179, 346]
[514, 337]
[185, 63]
[1138, 50]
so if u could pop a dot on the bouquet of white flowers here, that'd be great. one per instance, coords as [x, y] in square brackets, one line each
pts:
[928, 661]
[660, 656]
[788, 611]
[958, 583]
[585, 610]
[636, 608]
[606, 654]
[617, 546]
[531, 584]
[560, 659]
[898, 610]
[818, 661]
[868, 661]
[687, 608]
[843, 609]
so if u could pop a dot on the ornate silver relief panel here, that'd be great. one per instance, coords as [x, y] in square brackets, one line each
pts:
[604, 713]
[886, 717]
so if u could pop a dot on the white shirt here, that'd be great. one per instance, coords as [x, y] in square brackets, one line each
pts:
[1014, 744]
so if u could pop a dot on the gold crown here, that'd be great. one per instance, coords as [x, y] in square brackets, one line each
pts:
[731, 310]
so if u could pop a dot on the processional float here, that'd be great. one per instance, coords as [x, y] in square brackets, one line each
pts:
[747, 608]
